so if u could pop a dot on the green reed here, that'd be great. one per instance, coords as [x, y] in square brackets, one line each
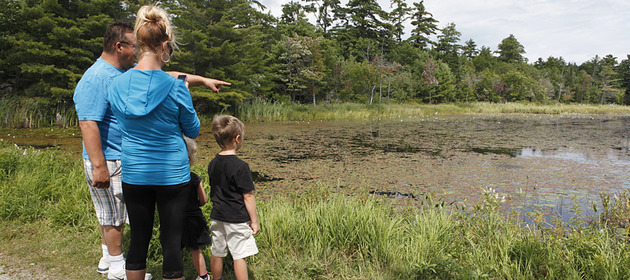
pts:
[22, 112]
[260, 110]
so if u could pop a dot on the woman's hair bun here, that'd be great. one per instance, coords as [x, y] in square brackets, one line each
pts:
[152, 28]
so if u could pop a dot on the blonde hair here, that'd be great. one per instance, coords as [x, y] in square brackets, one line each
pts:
[152, 28]
[225, 128]
[191, 145]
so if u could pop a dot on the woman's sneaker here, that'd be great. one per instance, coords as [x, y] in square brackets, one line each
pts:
[103, 265]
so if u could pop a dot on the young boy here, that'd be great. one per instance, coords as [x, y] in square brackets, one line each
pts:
[233, 214]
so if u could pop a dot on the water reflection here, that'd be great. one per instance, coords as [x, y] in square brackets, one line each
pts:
[617, 156]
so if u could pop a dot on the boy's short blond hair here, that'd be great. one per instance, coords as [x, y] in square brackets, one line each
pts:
[225, 128]
[191, 145]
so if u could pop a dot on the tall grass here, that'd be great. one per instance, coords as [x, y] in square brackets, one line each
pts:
[21, 112]
[319, 233]
[335, 236]
[39, 185]
[259, 110]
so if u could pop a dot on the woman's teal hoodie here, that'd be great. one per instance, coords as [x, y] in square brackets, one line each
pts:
[153, 110]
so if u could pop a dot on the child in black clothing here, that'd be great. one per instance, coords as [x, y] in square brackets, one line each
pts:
[234, 218]
[196, 234]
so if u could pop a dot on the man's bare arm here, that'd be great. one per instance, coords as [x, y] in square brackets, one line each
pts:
[92, 141]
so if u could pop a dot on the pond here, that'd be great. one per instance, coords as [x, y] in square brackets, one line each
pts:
[556, 164]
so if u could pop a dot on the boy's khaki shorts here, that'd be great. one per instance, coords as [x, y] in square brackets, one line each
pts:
[237, 238]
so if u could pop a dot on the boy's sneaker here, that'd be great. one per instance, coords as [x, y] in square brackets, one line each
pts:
[103, 265]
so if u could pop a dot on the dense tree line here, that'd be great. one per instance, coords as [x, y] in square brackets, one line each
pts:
[355, 52]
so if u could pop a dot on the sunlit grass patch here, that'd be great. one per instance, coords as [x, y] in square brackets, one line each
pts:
[259, 110]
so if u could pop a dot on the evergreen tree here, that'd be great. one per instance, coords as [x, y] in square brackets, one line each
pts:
[294, 21]
[510, 50]
[51, 43]
[324, 11]
[484, 60]
[447, 46]
[399, 14]
[424, 26]
[368, 26]
[470, 49]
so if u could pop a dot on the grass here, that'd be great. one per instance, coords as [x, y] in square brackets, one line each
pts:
[19, 112]
[24, 112]
[46, 218]
[258, 110]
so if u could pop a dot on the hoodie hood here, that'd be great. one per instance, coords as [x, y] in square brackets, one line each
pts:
[138, 92]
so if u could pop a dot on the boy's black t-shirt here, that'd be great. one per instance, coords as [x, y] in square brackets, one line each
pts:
[230, 177]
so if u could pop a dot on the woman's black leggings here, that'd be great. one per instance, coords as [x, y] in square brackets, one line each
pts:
[171, 203]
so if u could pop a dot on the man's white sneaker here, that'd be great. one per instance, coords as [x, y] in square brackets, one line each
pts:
[103, 265]
[122, 275]
[117, 275]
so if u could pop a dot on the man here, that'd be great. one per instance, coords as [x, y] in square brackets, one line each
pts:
[102, 140]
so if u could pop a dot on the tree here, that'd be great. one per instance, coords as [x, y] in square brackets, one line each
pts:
[366, 18]
[470, 49]
[294, 21]
[51, 43]
[301, 66]
[424, 26]
[484, 60]
[228, 40]
[468, 80]
[447, 46]
[520, 87]
[510, 50]
[623, 72]
[359, 80]
[324, 11]
[399, 14]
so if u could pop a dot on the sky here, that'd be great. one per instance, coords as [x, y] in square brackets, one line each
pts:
[576, 30]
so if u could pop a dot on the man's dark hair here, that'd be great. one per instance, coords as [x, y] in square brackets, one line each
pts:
[115, 33]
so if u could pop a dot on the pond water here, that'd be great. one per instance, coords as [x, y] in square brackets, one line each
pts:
[556, 164]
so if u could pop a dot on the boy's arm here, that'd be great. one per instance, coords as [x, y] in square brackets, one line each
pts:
[201, 194]
[250, 204]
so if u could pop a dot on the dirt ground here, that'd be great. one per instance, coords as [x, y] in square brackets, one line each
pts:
[12, 268]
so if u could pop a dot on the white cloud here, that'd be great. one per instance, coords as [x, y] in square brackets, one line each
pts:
[574, 29]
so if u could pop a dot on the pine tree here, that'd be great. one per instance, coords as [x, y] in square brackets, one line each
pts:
[510, 50]
[424, 26]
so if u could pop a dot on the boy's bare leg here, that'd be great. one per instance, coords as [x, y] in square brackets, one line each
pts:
[240, 269]
[216, 267]
[198, 261]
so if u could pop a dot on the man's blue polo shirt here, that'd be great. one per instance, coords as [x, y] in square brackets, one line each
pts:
[90, 102]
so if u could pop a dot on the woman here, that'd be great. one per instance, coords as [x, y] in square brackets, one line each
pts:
[153, 110]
